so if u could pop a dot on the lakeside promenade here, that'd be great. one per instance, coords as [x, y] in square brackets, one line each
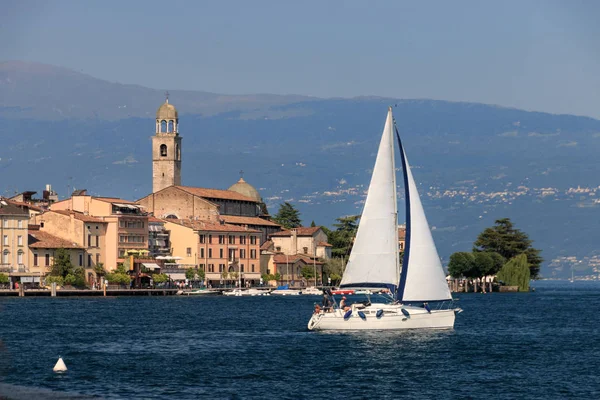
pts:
[87, 292]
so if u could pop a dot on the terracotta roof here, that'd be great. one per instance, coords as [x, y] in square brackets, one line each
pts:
[79, 216]
[114, 200]
[44, 240]
[202, 225]
[267, 245]
[215, 193]
[21, 204]
[301, 231]
[154, 219]
[234, 219]
[290, 259]
[9, 208]
[324, 244]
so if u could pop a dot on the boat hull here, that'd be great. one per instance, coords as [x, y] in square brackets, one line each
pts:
[392, 318]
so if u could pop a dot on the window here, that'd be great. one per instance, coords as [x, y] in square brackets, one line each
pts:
[202, 238]
[202, 253]
[252, 239]
[97, 241]
[242, 253]
[305, 250]
[41, 224]
[241, 267]
[242, 239]
[47, 260]
[20, 223]
[231, 254]
[278, 248]
[252, 253]
[96, 226]
[163, 150]
[20, 240]
[35, 260]
[89, 260]
[20, 257]
[6, 240]
[210, 239]
[5, 223]
[201, 266]
[188, 251]
[252, 266]
[231, 239]
[221, 239]
[298, 272]
[209, 253]
[221, 267]
[5, 257]
[89, 240]
[97, 258]
[81, 260]
[220, 253]
[211, 267]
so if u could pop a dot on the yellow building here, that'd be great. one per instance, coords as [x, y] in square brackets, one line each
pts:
[13, 240]
[309, 241]
[84, 231]
[216, 248]
[126, 225]
[42, 250]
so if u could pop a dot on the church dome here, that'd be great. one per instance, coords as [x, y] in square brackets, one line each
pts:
[244, 188]
[167, 111]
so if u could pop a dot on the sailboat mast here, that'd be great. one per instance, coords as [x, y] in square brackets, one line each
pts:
[395, 191]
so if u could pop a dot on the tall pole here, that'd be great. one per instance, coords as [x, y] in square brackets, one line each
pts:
[287, 267]
[315, 264]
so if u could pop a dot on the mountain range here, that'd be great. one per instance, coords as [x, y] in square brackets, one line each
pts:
[474, 162]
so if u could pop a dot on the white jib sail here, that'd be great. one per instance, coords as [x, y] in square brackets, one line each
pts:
[425, 277]
[374, 256]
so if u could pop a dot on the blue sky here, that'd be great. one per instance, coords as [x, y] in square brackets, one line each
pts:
[536, 55]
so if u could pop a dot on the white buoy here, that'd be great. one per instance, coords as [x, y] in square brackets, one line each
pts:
[60, 366]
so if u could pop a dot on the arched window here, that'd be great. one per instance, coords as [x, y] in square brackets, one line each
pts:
[231, 269]
[170, 126]
[171, 216]
[163, 126]
[163, 150]
[5, 257]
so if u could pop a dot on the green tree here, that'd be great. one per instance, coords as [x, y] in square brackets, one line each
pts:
[50, 279]
[288, 216]
[190, 274]
[335, 279]
[160, 278]
[99, 269]
[4, 278]
[342, 238]
[118, 278]
[516, 272]
[462, 264]
[312, 224]
[307, 272]
[62, 265]
[201, 274]
[504, 239]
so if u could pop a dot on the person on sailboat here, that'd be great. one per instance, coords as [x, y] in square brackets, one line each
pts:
[343, 304]
[326, 303]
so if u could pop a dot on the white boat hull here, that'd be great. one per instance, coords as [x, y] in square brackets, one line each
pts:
[392, 318]
[247, 292]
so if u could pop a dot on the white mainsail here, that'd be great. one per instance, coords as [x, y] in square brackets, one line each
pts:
[373, 261]
[423, 277]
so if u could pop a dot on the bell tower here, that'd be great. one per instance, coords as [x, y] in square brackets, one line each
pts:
[166, 148]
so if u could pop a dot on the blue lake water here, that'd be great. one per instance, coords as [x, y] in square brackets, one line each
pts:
[539, 345]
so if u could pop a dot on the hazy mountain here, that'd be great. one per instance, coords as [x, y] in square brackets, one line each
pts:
[474, 163]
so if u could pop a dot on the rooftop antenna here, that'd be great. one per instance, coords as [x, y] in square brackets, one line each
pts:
[241, 173]
[167, 96]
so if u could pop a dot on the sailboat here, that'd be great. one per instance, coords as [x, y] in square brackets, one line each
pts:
[413, 294]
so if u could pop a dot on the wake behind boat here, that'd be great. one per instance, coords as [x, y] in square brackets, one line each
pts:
[374, 263]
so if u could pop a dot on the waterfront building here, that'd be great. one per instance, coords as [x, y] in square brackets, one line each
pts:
[42, 250]
[83, 231]
[309, 241]
[126, 223]
[13, 240]
[217, 248]
[289, 267]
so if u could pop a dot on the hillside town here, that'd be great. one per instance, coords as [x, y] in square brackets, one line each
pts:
[223, 236]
